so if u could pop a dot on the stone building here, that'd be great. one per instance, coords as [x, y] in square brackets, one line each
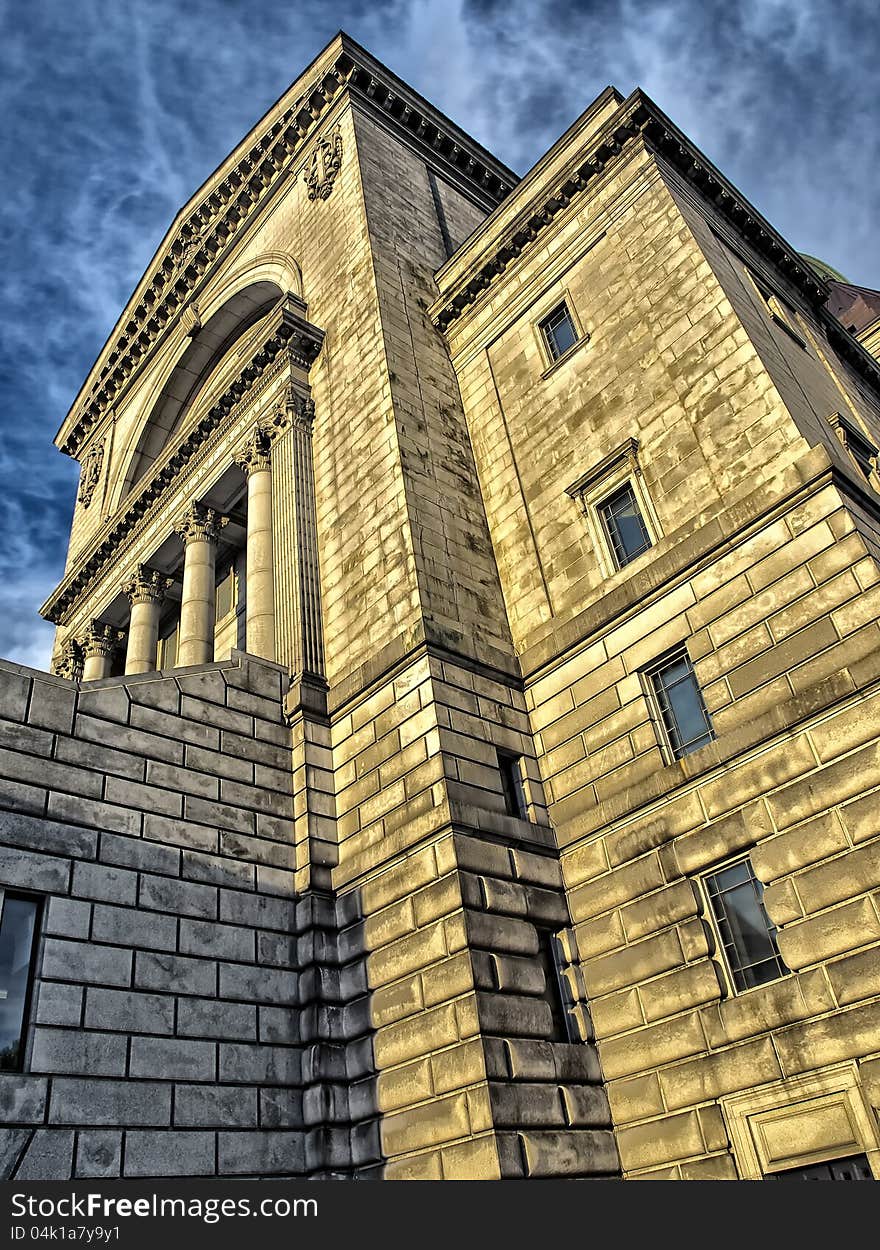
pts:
[461, 755]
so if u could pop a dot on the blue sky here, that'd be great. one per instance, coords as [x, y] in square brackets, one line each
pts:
[116, 110]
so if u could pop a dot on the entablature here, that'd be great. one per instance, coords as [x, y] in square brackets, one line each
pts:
[288, 347]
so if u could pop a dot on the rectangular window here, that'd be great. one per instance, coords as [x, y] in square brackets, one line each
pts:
[556, 992]
[624, 525]
[224, 595]
[559, 331]
[511, 785]
[679, 701]
[166, 653]
[19, 926]
[748, 937]
[855, 1168]
[863, 452]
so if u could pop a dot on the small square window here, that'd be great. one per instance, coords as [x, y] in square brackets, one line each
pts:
[624, 525]
[559, 331]
[747, 936]
[19, 925]
[511, 785]
[679, 701]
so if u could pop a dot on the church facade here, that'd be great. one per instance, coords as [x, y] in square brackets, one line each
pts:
[461, 755]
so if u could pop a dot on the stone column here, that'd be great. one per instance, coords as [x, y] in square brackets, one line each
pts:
[99, 646]
[145, 592]
[199, 528]
[255, 460]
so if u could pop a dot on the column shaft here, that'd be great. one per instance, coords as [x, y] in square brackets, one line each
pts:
[199, 529]
[145, 592]
[143, 637]
[260, 604]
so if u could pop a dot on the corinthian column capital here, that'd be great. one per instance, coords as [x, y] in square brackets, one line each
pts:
[256, 455]
[200, 524]
[70, 661]
[101, 640]
[146, 586]
[300, 409]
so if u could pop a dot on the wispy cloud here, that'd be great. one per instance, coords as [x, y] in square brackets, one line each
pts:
[117, 112]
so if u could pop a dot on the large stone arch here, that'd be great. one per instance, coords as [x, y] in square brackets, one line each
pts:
[245, 300]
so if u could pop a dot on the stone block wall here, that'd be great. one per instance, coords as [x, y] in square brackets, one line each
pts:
[764, 566]
[185, 997]
[472, 1081]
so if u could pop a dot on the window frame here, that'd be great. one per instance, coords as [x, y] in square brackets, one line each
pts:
[165, 636]
[721, 957]
[619, 469]
[512, 784]
[39, 902]
[776, 307]
[558, 993]
[228, 572]
[612, 537]
[863, 454]
[649, 677]
[564, 300]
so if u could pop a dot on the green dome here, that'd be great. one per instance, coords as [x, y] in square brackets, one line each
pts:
[824, 270]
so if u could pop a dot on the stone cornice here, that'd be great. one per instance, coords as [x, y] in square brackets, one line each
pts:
[638, 120]
[286, 333]
[210, 222]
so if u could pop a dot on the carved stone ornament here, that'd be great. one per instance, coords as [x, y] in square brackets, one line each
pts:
[256, 455]
[70, 662]
[90, 473]
[326, 162]
[147, 586]
[302, 409]
[102, 640]
[200, 524]
[191, 320]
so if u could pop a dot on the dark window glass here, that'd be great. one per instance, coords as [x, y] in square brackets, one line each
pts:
[748, 937]
[559, 332]
[855, 1168]
[511, 784]
[681, 705]
[556, 991]
[624, 526]
[18, 930]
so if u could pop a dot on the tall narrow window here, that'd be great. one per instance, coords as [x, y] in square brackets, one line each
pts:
[683, 714]
[511, 785]
[166, 655]
[556, 991]
[748, 937]
[224, 594]
[18, 932]
[864, 454]
[559, 331]
[624, 525]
